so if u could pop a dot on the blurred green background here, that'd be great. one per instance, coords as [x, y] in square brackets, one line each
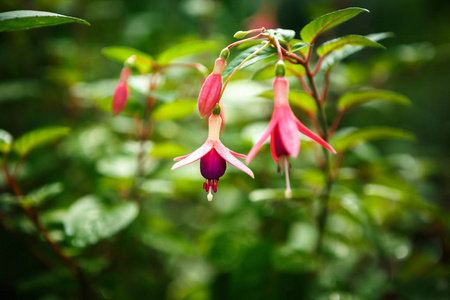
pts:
[155, 236]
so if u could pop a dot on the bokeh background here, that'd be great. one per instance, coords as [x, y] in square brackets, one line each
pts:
[156, 236]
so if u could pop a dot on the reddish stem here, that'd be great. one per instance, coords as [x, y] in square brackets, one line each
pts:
[244, 40]
[336, 122]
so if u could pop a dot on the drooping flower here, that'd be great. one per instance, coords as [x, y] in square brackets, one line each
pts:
[120, 95]
[213, 157]
[283, 131]
[212, 86]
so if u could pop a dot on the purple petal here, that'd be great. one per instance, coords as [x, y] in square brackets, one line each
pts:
[226, 154]
[196, 155]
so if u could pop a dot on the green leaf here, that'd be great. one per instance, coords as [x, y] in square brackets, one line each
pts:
[354, 98]
[38, 196]
[174, 110]
[299, 46]
[167, 150]
[277, 194]
[283, 35]
[348, 141]
[266, 53]
[89, 220]
[339, 43]
[310, 32]
[301, 99]
[334, 57]
[121, 54]
[6, 140]
[27, 19]
[132, 108]
[33, 139]
[185, 49]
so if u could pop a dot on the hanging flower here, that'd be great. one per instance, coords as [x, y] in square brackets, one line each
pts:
[213, 156]
[120, 95]
[283, 130]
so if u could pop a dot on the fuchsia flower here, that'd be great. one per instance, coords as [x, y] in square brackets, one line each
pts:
[213, 156]
[120, 95]
[283, 130]
[212, 87]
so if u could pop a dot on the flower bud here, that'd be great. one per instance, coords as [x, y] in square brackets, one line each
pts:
[119, 98]
[280, 68]
[212, 87]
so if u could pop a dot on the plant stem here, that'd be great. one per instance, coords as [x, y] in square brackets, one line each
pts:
[325, 196]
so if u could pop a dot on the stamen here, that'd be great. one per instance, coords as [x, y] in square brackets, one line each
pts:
[288, 191]
[210, 196]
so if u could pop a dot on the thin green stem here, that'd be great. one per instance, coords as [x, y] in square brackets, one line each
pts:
[240, 65]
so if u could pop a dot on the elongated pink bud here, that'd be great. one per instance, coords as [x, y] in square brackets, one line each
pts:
[212, 86]
[119, 98]
[120, 95]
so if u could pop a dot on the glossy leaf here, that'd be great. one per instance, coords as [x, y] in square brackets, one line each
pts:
[168, 150]
[33, 139]
[121, 54]
[89, 220]
[184, 49]
[283, 35]
[339, 43]
[334, 57]
[174, 110]
[310, 32]
[266, 53]
[132, 108]
[348, 141]
[27, 19]
[38, 196]
[6, 140]
[354, 98]
[301, 99]
[299, 46]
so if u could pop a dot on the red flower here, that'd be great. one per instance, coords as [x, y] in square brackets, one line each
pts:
[283, 130]
[212, 87]
[120, 95]
[213, 156]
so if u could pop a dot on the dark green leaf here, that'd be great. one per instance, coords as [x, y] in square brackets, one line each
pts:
[6, 140]
[300, 99]
[354, 98]
[266, 53]
[27, 19]
[132, 108]
[339, 43]
[168, 150]
[300, 46]
[33, 139]
[89, 220]
[121, 54]
[348, 141]
[185, 49]
[310, 32]
[174, 110]
[37, 197]
[338, 55]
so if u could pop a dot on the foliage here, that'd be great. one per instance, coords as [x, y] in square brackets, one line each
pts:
[89, 208]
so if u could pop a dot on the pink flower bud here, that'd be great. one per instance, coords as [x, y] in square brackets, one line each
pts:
[212, 86]
[119, 98]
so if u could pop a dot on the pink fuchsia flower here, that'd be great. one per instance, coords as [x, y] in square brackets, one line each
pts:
[120, 95]
[283, 130]
[212, 87]
[213, 157]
